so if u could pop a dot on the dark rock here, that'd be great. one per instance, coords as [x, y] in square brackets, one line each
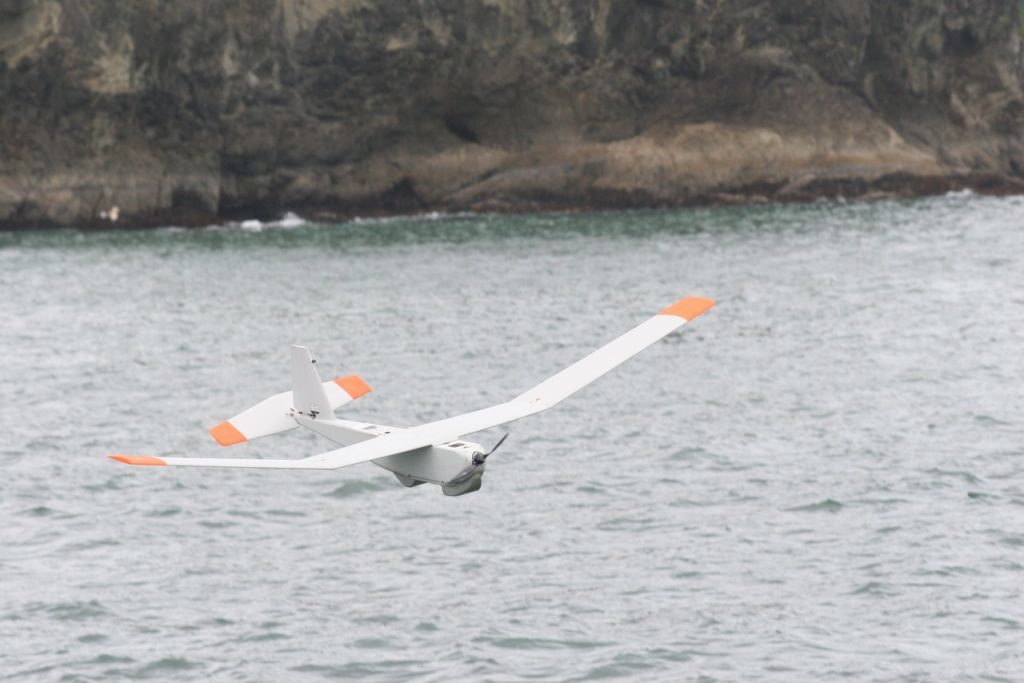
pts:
[185, 112]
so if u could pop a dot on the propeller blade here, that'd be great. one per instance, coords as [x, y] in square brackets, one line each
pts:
[479, 458]
[500, 441]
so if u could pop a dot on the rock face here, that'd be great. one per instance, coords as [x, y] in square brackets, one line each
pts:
[188, 111]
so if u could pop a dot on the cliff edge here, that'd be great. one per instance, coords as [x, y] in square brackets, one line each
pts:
[187, 112]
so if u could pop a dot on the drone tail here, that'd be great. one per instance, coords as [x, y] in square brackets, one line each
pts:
[309, 396]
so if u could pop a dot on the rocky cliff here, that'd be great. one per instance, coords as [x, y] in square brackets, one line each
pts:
[188, 111]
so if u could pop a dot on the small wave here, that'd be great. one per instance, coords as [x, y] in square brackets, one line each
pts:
[216, 524]
[38, 511]
[285, 513]
[526, 643]
[688, 453]
[991, 421]
[687, 575]
[164, 512]
[626, 524]
[873, 588]
[166, 666]
[373, 643]
[353, 670]
[264, 637]
[1011, 624]
[111, 659]
[964, 476]
[82, 546]
[355, 488]
[827, 505]
[75, 611]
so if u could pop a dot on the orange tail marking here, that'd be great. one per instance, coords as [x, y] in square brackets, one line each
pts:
[353, 385]
[688, 308]
[226, 434]
[139, 460]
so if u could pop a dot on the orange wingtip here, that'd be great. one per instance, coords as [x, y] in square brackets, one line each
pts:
[353, 385]
[227, 435]
[688, 308]
[139, 460]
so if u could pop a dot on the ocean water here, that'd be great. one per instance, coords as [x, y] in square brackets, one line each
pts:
[820, 479]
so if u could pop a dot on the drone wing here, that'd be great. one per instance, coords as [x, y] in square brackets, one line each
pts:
[541, 397]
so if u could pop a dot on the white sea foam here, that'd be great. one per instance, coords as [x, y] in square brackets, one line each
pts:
[413, 217]
[289, 220]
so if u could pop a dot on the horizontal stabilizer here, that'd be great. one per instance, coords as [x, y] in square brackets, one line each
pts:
[273, 415]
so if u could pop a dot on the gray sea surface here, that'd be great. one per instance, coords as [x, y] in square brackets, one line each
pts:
[820, 479]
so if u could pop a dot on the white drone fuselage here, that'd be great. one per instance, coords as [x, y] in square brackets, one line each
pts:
[434, 452]
[449, 465]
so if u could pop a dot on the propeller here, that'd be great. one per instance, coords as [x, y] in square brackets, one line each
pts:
[472, 470]
[479, 458]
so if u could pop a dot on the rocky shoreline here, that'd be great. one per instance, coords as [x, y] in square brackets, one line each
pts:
[883, 187]
[190, 114]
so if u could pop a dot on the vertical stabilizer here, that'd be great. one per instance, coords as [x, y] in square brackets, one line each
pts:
[308, 395]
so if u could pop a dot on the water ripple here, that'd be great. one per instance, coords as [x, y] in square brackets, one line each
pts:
[820, 479]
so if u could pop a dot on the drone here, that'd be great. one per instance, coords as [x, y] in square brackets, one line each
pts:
[435, 452]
